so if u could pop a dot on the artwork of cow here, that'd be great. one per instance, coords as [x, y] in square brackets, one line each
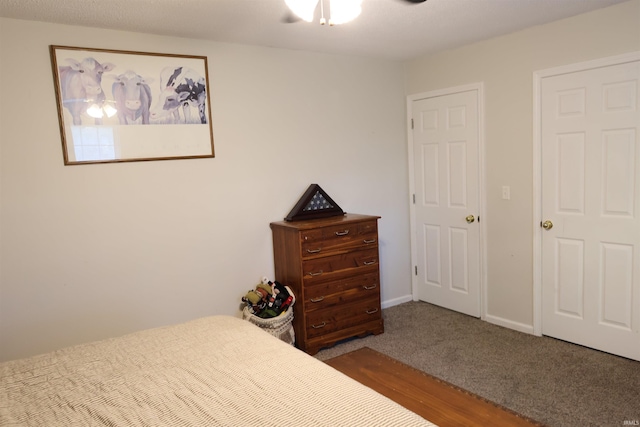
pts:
[133, 97]
[81, 86]
[180, 87]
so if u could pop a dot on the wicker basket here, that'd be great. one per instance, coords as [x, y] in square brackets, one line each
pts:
[280, 326]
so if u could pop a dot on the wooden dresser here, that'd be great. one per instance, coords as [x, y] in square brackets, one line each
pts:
[332, 266]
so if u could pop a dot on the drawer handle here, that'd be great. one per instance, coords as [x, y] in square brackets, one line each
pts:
[321, 325]
[317, 299]
[315, 274]
[375, 310]
[370, 241]
[342, 233]
[368, 288]
[314, 251]
[369, 262]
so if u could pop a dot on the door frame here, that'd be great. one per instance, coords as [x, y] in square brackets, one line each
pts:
[482, 223]
[538, 76]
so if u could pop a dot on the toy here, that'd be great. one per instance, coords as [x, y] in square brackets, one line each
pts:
[258, 297]
[282, 297]
[268, 299]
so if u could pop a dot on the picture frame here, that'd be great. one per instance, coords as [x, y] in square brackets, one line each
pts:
[127, 106]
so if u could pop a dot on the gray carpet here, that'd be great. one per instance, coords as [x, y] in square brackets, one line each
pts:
[554, 382]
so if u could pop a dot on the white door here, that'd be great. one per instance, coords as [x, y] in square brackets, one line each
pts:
[445, 139]
[590, 243]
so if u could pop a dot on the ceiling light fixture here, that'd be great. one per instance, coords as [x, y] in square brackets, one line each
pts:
[340, 11]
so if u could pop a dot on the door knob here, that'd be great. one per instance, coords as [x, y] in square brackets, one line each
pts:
[470, 218]
[547, 225]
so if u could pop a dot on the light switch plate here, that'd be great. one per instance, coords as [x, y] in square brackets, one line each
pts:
[506, 192]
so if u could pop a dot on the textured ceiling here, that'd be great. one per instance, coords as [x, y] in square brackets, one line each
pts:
[389, 29]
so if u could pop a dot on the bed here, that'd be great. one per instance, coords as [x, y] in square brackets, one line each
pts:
[213, 371]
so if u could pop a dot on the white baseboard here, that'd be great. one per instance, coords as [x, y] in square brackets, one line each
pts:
[521, 327]
[396, 301]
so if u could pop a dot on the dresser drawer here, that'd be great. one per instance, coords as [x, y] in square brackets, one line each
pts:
[337, 266]
[338, 231]
[343, 237]
[320, 322]
[328, 294]
[334, 245]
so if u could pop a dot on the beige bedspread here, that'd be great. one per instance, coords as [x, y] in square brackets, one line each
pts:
[214, 371]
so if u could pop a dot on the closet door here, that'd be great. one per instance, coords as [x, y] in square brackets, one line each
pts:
[590, 242]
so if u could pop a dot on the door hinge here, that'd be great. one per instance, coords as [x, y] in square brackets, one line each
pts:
[415, 269]
[411, 123]
[414, 199]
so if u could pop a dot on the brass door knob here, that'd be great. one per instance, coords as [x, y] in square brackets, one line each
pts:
[547, 225]
[470, 218]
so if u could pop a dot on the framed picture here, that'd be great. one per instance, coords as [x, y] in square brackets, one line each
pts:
[121, 106]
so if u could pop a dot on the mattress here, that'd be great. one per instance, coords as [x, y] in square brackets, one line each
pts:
[213, 371]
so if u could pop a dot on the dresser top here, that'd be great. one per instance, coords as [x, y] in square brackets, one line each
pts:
[321, 222]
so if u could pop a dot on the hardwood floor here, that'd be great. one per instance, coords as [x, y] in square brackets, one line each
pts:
[438, 401]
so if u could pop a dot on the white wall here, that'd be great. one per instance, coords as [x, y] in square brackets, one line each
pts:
[93, 251]
[506, 66]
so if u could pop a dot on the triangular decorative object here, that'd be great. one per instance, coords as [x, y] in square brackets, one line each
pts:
[314, 203]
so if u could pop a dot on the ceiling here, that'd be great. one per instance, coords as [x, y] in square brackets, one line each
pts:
[386, 29]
